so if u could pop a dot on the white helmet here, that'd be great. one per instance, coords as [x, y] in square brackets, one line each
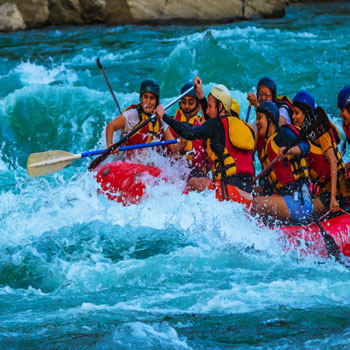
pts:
[222, 94]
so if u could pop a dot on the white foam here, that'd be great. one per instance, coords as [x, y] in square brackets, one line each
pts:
[31, 73]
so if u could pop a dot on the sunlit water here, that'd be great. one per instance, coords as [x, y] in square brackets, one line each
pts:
[175, 272]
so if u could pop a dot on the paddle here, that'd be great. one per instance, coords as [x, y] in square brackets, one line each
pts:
[99, 65]
[43, 163]
[109, 150]
[315, 125]
[329, 241]
[248, 113]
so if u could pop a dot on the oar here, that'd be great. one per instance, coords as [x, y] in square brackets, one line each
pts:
[99, 65]
[109, 150]
[313, 130]
[43, 163]
[248, 113]
[331, 246]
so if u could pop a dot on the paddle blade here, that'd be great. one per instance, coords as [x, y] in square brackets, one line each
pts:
[43, 163]
[316, 124]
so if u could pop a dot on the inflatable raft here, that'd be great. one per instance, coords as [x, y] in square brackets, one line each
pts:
[126, 182]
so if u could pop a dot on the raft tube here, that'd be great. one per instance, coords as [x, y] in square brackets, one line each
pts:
[126, 182]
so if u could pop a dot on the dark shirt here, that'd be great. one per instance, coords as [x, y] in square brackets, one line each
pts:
[211, 129]
[285, 137]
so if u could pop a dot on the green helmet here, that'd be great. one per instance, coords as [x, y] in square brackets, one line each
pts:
[222, 94]
[150, 85]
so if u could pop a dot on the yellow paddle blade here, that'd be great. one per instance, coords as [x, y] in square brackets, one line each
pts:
[43, 163]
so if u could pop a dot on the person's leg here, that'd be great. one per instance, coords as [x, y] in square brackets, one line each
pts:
[321, 203]
[270, 208]
[198, 184]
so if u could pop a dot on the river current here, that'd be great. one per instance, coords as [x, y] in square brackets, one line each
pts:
[78, 271]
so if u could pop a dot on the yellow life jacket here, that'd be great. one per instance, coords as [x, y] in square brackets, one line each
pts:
[194, 150]
[239, 146]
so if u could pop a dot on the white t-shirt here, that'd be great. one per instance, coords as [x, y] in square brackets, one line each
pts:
[284, 113]
[132, 119]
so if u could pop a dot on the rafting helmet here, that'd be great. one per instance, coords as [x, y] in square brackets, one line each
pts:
[192, 93]
[222, 94]
[344, 97]
[150, 85]
[266, 81]
[271, 111]
[304, 101]
[235, 108]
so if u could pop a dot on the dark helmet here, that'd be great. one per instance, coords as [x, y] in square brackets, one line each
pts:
[344, 97]
[150, 85]
[266, 81]
[191, 93]
[304, 101]
[271, 111]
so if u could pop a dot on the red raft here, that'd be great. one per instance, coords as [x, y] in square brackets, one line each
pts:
[126, 182]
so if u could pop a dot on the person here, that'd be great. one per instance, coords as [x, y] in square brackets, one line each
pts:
[287, 197]
[267, 91]
[138, 113]
[229, 144]
[326, 167]
[344, 106]
[194, 151]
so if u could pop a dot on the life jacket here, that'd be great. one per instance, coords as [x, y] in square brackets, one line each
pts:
[284, 101]
[237, 157]
[150, 132]
[194, 150]
[259, 144]
[319, 167]
[291, 169]
[347, 131]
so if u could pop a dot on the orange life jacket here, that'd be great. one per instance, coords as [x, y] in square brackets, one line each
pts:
[237, 157]
[150, 132]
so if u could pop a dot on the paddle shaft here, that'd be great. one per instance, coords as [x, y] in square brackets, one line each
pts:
[99, 65]
[109, 150]
[331, 246]
[248, 113]
[131, 147]
[69, 158]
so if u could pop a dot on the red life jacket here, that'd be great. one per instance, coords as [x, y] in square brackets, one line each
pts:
[150, 132]
[259, 144]
[237, 157]
[319, 167]
[194, 150]
[347, 131]
[283, 172]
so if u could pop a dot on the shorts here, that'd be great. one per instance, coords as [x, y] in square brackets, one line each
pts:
[299, 205]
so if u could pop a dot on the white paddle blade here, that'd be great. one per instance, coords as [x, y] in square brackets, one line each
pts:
[43, 163]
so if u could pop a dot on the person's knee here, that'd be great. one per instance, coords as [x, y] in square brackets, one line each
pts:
[198, 184]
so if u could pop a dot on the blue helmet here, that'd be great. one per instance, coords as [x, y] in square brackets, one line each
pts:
[304, 101]
[344, 97]
[270, 110]
[266, 81]
[191, 93]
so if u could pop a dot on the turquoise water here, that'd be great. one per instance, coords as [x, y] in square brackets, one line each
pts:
[176, 272]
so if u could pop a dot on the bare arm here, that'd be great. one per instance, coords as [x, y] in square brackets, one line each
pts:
[115, 125]
[330, 156]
